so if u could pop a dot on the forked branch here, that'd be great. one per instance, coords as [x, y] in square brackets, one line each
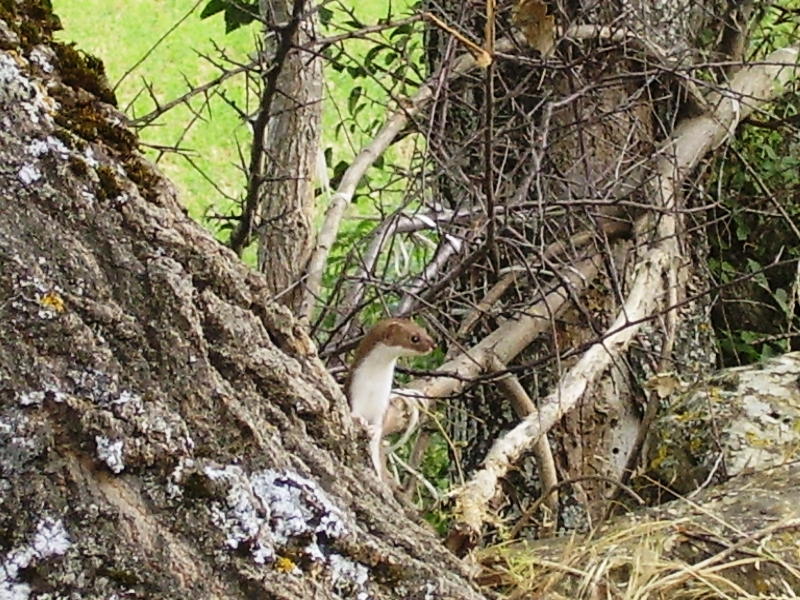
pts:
[690, 142]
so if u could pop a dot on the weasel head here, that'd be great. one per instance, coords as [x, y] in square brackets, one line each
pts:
[400, 337]
[408, 337]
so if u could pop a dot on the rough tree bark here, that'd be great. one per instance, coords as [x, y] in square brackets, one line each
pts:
[165, 431]
[289, 156]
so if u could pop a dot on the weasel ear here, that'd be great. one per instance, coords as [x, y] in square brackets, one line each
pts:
[392, 330]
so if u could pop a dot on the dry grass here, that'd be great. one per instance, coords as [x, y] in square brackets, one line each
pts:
[666, 559]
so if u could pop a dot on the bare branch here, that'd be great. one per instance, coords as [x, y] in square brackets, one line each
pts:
[691, 141]
[542, 453]
[504, 343]
[241, 236]
[200, 89]
[450, 246]
[398, 120]
[354, 173]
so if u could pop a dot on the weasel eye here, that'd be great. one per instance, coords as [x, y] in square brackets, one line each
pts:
[415, 339]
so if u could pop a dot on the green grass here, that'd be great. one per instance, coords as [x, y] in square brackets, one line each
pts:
[121, 32]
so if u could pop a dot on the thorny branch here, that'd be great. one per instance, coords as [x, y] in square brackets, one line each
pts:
[688, 145]
[242, 235]
[162, 109]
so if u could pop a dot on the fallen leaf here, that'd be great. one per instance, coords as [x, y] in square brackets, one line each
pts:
[664, 384]
[539, 28]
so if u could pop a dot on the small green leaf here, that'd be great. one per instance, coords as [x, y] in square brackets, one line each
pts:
[213, 7]
[338, 172]
[758, 274]
[782, 299]
[357, 72]
[239, 15]
[749, 336]
[325, 15]
[359, 108]
[742, 231]
[402, 30]
[372, 54]
[352, 100]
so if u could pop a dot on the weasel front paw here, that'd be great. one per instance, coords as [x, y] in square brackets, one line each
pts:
[359, 420]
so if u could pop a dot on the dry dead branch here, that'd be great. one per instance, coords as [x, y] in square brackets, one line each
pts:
[691, 141]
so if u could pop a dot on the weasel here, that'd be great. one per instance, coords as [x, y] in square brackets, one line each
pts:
[369, 382]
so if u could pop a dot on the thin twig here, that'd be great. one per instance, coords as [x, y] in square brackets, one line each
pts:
[158, 42]
[241, 236]
[161, 109]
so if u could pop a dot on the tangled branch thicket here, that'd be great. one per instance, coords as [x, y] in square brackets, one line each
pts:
[543, 187]
[547, 214]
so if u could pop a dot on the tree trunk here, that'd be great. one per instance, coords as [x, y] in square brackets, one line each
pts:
[572, 147]
[165, 431]
[291, 147]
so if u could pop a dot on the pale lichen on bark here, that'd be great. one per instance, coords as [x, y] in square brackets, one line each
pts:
[738, 420]
[137, 350]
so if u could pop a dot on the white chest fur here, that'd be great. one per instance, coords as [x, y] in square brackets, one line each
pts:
[371, 383]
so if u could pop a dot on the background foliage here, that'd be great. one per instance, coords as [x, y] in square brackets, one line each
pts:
[756, 231]
[168, 46]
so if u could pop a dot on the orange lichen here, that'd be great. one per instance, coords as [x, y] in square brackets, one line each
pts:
[53, 301]
[284, 564]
